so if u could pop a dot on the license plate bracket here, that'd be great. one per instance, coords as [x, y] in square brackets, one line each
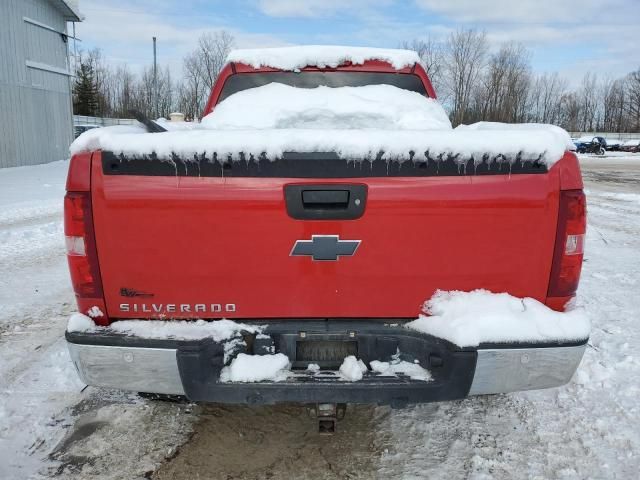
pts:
[328, 354]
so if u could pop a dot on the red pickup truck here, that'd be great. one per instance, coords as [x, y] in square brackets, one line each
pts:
[328, 260]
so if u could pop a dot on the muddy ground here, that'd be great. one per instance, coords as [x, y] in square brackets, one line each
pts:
[277, 442]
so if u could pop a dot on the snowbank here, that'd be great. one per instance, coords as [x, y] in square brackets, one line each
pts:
[468, 319]
[219, 330]
[257, 368]
[298, 57]
[281, 106]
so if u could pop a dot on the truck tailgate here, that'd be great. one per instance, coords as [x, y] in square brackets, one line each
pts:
[211, 247]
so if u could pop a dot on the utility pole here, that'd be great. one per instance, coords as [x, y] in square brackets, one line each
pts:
[155, 81]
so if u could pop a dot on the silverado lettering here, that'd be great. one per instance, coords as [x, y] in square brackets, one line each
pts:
[177, 307]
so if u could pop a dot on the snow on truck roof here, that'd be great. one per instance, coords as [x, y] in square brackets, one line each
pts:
[298, 57]
[357, 123]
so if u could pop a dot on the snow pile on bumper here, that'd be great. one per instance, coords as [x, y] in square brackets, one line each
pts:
[257, 368]
[412, 370]
[468, 319]
[352, 369]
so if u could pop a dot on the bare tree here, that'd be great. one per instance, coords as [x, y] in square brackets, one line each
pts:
[212, 53]
[633, 102]
[124, 92]
[432, 59]
[193, 92]
[588, 103]
[201, 68]
[571, 111]
[612, 95]
[546, 97]
[503, 92]
[465, 57]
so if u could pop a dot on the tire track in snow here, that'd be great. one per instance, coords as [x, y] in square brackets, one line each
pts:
[21, 244]
[29, 214]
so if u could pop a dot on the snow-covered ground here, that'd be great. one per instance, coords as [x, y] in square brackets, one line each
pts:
[41, 396]
[50, 424]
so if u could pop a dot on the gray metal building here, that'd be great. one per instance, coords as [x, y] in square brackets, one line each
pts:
[36, 122]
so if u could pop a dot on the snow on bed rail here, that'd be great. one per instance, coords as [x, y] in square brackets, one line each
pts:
[468, 319]
[298, 57]
[357, 145]
[357, 123]
[562, 136]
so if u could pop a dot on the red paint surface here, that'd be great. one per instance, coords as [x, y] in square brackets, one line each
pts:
[212, 240]
[79, 176]
[227, 241]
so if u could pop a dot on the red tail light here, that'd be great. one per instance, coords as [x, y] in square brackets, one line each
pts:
[81, 245]
[569, 248]
[81, 248]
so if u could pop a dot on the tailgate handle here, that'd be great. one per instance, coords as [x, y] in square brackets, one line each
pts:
[325, 201]
[328, 199]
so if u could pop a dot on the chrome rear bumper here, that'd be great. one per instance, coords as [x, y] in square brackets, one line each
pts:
[511, 370]
[169, 367]
[152, 370]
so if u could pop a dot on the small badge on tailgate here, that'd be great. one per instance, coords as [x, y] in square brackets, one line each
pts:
[325, 247]
[130, 292]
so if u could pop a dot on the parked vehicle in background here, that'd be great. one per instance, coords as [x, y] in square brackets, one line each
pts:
[597, 145]
[80, 129]
[612, 145]
[632, 146]
[581, 142]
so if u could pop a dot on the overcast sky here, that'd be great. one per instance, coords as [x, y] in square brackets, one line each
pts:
[569, 36]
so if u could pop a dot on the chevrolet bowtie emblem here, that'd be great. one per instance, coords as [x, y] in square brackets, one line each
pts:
[325, 247]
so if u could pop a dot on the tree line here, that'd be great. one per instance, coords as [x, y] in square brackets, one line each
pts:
[104, 90]
[473, 82]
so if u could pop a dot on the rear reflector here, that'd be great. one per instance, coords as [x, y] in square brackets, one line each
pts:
[569, 247]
